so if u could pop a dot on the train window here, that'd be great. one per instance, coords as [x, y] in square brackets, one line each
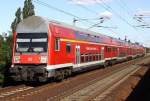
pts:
[57, 44]
[99, 57]
[90, 57]
[82, 58]
[93, 57]
[96, 56]
[68, 47]
[86, 58]
[108, 49]
[31, 42]
[113, 49]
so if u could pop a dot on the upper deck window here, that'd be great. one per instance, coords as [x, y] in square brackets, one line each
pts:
[57, 44]
[68, 47]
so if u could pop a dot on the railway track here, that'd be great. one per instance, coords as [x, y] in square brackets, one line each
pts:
[80, 85]
[8, 91]
[100, 86]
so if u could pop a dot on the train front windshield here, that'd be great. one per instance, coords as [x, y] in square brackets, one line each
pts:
[31, 43]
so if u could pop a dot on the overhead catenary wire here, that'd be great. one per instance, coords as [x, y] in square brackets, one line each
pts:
[128, 10]
[124, 6]
[96, 25]
[59, 10]
[141, 20]
[67, 13]
[137, 18]
[94, 12]
[86, 8]
[52, 7]
[107, 7]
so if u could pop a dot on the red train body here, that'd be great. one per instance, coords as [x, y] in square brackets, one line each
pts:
[44, 49]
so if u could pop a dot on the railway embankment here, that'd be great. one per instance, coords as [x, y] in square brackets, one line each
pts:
[141, 91]
[135, 88]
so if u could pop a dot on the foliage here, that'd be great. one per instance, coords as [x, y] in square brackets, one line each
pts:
[5, 52]
[16, 20]
[28, 9]
[2, 48]
[9, 46]
[5, 55]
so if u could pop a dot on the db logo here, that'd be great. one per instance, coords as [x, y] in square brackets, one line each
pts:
[29, 59]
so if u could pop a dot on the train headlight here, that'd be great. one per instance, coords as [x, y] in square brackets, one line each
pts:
[12, 66]
[43, 59]
[17, 59]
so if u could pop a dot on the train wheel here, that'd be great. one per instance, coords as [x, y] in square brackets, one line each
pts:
[111, 62]
[106, 63]
[65, 73]
[59, 76]
[44, 77]
[69, 72]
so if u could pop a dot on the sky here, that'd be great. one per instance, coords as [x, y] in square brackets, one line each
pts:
[118, 16]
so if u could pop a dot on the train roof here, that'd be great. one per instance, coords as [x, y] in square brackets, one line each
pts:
[40, 24]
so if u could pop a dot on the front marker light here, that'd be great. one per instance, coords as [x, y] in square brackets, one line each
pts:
[12, 66]
[17, 59]
[43, 59]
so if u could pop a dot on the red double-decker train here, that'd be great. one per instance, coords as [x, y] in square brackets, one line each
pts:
[44, 49]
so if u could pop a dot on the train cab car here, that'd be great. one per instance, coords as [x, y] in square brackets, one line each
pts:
[49, 49]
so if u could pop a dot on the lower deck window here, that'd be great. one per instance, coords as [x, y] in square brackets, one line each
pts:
[82, 58]
[96, 57]
[86, 58]
[99, 57]
[90, 57]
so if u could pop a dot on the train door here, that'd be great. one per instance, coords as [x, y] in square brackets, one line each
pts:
[102, 53]
[77, 54]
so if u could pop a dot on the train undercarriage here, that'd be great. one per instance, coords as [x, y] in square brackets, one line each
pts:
[28, 73]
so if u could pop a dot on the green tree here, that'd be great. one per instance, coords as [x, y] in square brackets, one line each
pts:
[1, 54]
[5, 51]
[18, 15]
[28, 9]
[14, 25]
[9, 44]
[16, 20]
[5, 58]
